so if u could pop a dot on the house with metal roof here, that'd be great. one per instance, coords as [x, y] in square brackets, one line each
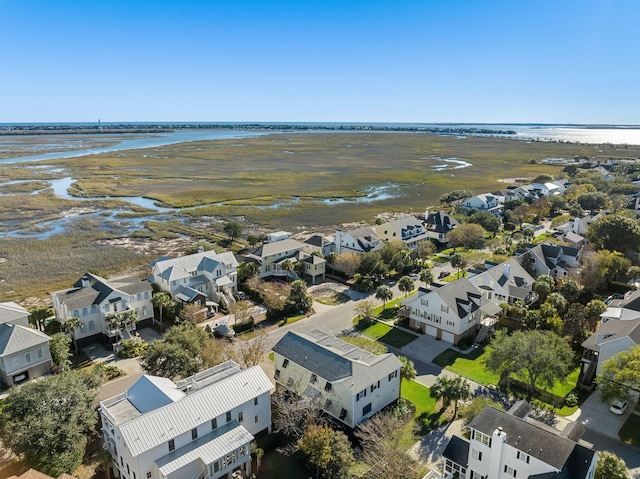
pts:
[24, 351]
[199, 427]
[106, 308]
[611, 338]
[342, 380]
[511, 445]
[279, 259]
[407, 229]
[205, 278]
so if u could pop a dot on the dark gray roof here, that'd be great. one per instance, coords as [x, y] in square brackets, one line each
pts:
[318, 240]
[520, 409]
[540, 443]
[441, 222]
[612, 330]
[315, 358]
[457, 451]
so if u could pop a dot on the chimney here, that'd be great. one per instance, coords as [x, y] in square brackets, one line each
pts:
[84, 282]
[338, 241]
[507, 270]
[200, 249]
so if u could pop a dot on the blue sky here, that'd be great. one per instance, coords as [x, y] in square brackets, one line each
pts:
[548, 61]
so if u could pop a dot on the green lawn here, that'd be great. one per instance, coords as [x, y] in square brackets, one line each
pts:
[426, 417]
[386, 334]
[453, 277]
[630, 432]
[382, 309]
[439, 259]
[291, 319]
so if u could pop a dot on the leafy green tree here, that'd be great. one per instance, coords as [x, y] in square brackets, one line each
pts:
[384, 294]
[426, 276]
[408, 370]
[70, 326]
[254, 239]
[477, 404]
[38, 315]
[615, 233]
[246, 270]
[593, 310]
[364, 310]
[168, 360]
[611, 466]
[372, 266]
[467, 235]
[60, 353]
[331, 261]
[328, 451]
[489, 222]
[544, 286]
[406, 285]
[557, 203]
[450, 389]
[233, 229]
[425, 248]
[161, 300]
[348, 263]
[557, 302]
[458, 262]
[49, 421]
[455, 197]
[299, 297]
[538, 358]
[187, 336]
[620, 375]
[596, 200]
[570, 290]
[575, 324]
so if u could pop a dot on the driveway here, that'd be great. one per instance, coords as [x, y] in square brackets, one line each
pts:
[426, 347]
[595, 415]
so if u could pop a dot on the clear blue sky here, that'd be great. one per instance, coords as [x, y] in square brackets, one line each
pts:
[550, 61]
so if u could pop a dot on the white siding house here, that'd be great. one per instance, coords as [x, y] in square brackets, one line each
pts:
[344, 381]
[200, 427]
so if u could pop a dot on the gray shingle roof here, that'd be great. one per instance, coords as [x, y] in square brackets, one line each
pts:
[441, 222]
[612, 330]
[10, 311]
[457, 451]
[15, 338]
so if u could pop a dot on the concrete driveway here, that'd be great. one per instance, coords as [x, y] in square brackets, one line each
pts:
[426, 347]
[595, 415]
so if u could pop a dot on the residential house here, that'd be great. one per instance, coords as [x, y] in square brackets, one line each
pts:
[361, 240]
[200, 427]
[33, 474]
[408, 229]
[485, 202]
[611, 338]
[272, 258]
[546, 189]
[206, 278]
[105, 308]
[620, 314]
[630, 300]
[343, 380]
[506, 282]
[511, 445]
[552, 260]
[572, 239]
[525, 192]
[24, 351]
[323, 244]
[438, 225]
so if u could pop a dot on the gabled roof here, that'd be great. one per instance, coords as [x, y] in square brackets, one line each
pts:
[631, 300]
[319, 241]
[612, 330]
[283, 246]
[528, 437]
[441, 222]
[158, 426]
[457, 450]
[461, 295]
[334, 359]
[10, 311]
[183, 266]
[15, 338]
[407, 227]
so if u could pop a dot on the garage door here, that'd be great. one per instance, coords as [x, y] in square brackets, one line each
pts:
[447, 337]
[431, 331]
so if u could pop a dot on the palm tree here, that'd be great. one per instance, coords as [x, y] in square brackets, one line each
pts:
[458, 262]
[331, 259]
[384, 294]
[405, 284]
[442, 389]
[426, 276]
[161, 300]
[70, 325]
[287, 265]
[460, 390]
[407, 372]
[38, 315]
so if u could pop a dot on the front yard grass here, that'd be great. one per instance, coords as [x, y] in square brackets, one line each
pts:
[385, 334]
[630, 432]
[426, 417]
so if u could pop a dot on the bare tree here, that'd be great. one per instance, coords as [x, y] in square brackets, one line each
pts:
[252, 351]
[217, 351]
[292, 416]
[241, 311]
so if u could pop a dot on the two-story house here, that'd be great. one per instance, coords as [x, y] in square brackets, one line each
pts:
[507, 445]
[200, 427]
[553, 260]
[506, 282]
[341, 379]
[104, 308]
[360, 240]
[24, 351]
[323, 244]
[198, 277]
[485, 202]
[407, 229]
[274, 257]
[438, 225]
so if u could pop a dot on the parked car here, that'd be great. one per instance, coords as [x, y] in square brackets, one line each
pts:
[443, 274]
[619, 407]
[414, 276]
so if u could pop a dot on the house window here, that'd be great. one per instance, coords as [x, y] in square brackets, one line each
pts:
[228, 416]
[172, 445]
[255, 401]
[314, 378]
[285, 363]
[39, 353]
[16, 361]
[277, 374]
[256, 419]
[476, 454]
[361, 394]
[27, 356]
[480, 437]
[94, 309]
[290, 382]
[216, 466]
[240, 416]
[327, 387]
[343, 414]
[523, 457]
[510, 471]
[194, 433]
[139, 297]
[85, 311]
[146, 295]
[76, 313]
[366, 410]
[327, 404]
[444, 308]
[92, 326]
[214, 423]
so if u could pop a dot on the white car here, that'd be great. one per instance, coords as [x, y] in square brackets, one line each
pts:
[619, 407]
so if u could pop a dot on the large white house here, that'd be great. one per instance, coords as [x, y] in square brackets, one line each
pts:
[24, 351]
[198, 428]
[361, 240]
[553, 260]
[103, 308]
[341, 379]
[485, 202]
[407, 229]
[198, 277]
[507, 445]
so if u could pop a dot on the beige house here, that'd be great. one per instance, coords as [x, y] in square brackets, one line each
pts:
[273, 257]
[343, 380]
[408, 229]
[24, 351]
